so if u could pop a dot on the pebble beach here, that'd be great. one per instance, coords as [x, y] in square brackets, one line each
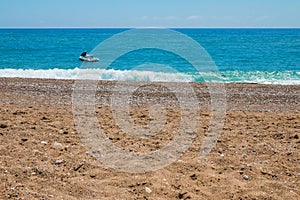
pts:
[42, 156]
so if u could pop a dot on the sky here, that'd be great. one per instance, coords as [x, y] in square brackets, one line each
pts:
[150, 13]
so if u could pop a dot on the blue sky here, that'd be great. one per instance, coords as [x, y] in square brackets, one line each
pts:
[150, 13]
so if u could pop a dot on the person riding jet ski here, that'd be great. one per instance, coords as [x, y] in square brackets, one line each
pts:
[84, 56]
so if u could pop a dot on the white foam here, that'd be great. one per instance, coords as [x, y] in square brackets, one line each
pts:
[280, 78]
[263, 77]
[100, 74]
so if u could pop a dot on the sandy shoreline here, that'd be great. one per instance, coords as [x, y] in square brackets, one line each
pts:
[240, 96]
[257, 154]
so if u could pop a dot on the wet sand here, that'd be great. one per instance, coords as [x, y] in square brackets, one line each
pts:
[42, 156]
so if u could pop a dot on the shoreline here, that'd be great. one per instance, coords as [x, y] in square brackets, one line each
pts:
[56, 74]
[239, 96]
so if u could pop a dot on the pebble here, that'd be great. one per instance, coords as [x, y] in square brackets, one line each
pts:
[3, 126]
[44, 142]
[57, 144]
[165, 181]
[222, 155]
[57, 162]
[63, 132]
[148, 190]
[246, 177]
[244, 155]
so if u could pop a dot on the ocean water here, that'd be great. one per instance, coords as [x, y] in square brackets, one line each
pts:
[265, 56]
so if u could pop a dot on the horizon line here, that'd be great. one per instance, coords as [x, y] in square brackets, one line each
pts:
[149, 27]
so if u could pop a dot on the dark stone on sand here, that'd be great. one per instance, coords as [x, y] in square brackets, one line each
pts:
[193, 177]
[3, 126]
[181, 195]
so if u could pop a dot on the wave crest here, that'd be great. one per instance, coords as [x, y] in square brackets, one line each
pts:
[110, 74]
[261, 77]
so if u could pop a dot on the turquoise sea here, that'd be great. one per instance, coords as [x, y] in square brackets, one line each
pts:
[265, 56]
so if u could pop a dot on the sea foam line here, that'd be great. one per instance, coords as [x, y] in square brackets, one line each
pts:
[260, 77]
[100, 74]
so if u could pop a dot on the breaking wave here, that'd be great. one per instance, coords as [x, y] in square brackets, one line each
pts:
[260, 77]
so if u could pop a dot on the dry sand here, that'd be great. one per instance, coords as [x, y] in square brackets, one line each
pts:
[257, 154]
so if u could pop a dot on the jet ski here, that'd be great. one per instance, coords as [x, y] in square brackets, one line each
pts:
[85, 57]
[88, 59]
